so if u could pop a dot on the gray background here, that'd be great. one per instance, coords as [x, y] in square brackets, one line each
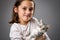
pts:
[48, 10]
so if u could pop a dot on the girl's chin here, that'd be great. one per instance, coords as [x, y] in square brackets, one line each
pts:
[26, 19]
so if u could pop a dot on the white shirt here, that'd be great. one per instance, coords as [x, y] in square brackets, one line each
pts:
[20, 32]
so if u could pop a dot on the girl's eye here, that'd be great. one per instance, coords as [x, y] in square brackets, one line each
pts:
[24, 8]
[30, 9]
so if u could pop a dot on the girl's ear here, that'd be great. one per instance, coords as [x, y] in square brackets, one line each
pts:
[15, 9]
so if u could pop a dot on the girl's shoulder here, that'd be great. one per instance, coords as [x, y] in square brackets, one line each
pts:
[14, 26]
[35, 20]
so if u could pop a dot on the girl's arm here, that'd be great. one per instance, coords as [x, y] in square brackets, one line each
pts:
[47, 37]
[43, 37]
[15, 39]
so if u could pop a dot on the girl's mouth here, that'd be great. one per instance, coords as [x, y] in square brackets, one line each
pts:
[27, 15]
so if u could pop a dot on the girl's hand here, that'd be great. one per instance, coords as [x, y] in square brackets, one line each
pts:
[43, 37]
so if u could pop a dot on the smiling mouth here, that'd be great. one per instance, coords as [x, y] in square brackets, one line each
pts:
[27, 15]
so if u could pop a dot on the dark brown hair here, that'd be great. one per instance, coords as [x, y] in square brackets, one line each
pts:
[15, 15]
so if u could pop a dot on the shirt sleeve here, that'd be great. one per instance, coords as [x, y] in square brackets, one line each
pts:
[47, 37]
[15, 34]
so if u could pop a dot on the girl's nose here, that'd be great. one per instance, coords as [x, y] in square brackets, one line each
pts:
[28, 11]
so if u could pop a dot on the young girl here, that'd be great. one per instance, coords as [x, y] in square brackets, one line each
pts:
[24, 24]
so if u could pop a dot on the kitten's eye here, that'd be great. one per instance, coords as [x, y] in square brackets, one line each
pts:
[24, 8]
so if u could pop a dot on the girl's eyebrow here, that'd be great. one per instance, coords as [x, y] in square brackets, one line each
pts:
[28, 7]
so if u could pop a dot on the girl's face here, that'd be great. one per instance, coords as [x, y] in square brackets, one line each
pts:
[25, 10]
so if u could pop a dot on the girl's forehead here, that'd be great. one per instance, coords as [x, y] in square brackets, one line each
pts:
[27, 3]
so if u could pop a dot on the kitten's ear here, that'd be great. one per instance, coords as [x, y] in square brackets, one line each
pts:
[41, 23]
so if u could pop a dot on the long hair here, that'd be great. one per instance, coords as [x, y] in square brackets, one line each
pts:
[15, 18]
